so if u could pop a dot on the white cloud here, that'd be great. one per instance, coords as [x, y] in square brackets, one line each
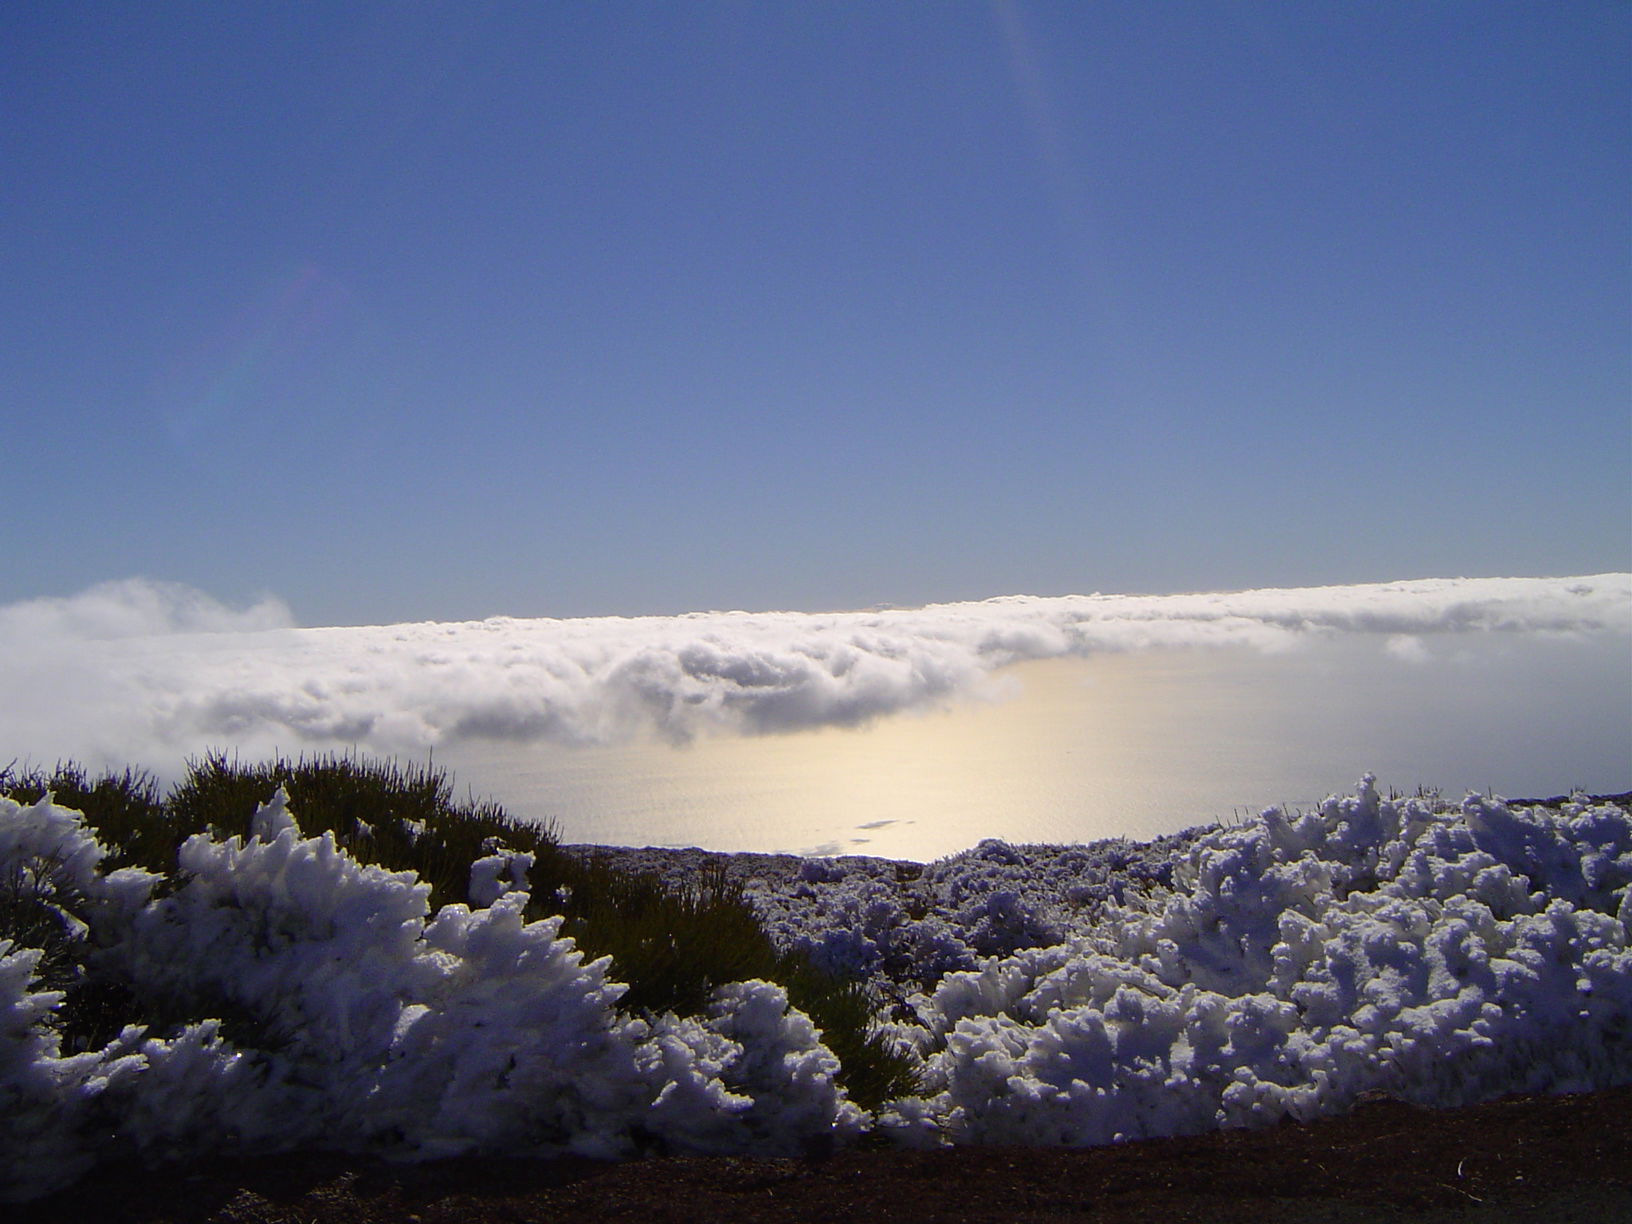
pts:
[133, 607]
[130, 669]
[1407, 647]
[66, 666]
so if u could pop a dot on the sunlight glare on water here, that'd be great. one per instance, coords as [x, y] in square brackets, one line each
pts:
[1116, 745]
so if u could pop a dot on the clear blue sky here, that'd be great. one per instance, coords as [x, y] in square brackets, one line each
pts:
[444, 311]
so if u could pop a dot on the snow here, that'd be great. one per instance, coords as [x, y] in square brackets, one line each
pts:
[1297, 963]
[362, 1021]
[1083, 994]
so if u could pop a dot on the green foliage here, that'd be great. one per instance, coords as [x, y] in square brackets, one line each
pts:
[875, 1071]
[123, 808]
[672, 944]
[399, 817]
[675, 945]
[37, 911]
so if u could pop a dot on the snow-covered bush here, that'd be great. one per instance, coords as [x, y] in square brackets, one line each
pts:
[43, 1096]
[340, 1012]
[57, 1106]
[285, 994]
[1297, 962]
[51, 884]
[755, 1075]
[869, 916]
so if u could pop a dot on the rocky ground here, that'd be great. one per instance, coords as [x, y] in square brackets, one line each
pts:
[1526, 1159]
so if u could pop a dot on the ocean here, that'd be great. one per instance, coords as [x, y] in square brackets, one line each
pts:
[1115, 745]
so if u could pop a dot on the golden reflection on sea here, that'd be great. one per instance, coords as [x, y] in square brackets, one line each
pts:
[1080, 749]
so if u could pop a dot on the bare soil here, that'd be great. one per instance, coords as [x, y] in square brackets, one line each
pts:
[1525, 1159]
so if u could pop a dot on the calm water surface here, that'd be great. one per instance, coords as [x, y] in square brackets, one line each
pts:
[1131, 745]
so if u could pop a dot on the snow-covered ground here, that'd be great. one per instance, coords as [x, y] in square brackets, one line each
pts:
[1227, 976]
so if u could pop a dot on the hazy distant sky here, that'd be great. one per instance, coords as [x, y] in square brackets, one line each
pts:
[442, 311]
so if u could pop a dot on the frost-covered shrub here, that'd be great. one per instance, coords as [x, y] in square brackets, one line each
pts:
[310, 952]
[398, 816]
[755, 1076]
[59, 1106]
[473, 1030]
[784, 1069]
[50, 865]
[286, 994]
[1440, 956]
[510, 1043]
[860, 916]
[47, 878]
[42, 1094]
[121, 810]
[358, 1019]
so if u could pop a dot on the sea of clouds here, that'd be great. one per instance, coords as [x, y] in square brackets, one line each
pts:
[139, 669]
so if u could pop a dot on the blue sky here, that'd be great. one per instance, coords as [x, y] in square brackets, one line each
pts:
[444, 311]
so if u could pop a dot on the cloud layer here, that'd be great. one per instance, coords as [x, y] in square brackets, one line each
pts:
[131, 668]
[132, 607]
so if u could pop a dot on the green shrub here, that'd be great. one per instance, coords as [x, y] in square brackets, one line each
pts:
[38, 912]
[674, 945]
[123, 808]
[399, 817]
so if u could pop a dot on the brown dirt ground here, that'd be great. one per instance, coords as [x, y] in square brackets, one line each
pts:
[1525, 1159]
